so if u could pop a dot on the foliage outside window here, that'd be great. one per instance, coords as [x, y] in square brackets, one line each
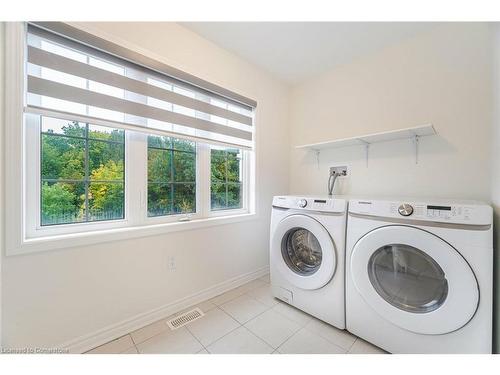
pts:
[82, 172]
[226, 179]
[171, 176]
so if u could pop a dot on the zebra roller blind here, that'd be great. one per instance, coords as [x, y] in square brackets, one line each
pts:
[84, 78]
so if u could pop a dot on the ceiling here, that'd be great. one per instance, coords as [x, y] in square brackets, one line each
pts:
[296, 51]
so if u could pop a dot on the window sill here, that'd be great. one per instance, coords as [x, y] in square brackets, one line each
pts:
[117, 234]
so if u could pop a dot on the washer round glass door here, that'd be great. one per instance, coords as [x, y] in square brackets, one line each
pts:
[303, 251]
[414, 279]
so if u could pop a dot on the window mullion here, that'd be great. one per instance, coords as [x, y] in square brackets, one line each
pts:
[136, 161]
[172, 178]
[86, 171]
[203, 179]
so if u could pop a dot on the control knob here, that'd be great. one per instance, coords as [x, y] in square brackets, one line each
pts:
[302, 203]
[405, 209]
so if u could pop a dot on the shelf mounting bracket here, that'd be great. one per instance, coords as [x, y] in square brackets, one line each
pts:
[317, 152]
[367, 150]
[416, 139]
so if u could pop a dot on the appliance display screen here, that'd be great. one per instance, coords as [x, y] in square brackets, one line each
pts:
[319, 201]
[443, 208]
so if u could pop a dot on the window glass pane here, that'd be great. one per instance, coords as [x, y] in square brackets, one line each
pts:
[171, 176]
[233, 195]
[183, 145]
[218, 196]
[218, 166]
[62, 157]
[159, 167]
[226, 178]
[159, 142]
[159, 199]
[233, 166]
[64, 127]
[185, 198]
[106, 201]
[106, 160]
[106, 134]
[62, 203]
[184, 166]
[82, 178]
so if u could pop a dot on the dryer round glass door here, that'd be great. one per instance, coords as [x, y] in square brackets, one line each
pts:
[303, 251]
[407, 278]
[414, 279]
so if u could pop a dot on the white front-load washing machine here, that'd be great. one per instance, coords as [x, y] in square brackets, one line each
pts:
[419, 275]
[307, 256]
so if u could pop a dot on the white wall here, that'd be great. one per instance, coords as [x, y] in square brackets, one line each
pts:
[440, 77]
[57, 296]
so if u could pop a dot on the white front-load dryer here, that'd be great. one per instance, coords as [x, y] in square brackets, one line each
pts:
[419, 275]
[307, 255]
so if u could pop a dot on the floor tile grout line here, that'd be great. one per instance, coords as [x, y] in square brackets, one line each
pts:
[283, 315]
[241, 325]
[354, 342]
[237, 296]
[261, 339]
[220, 338]
[278, 302]
[250, 296]
[131, 339]
[314, 333]
[329, 340]
[109, 342]
[259, 314]
[217, 307]
[156, 334]
[267, 309]
[288, 338]
[196, 338]
[235, 289]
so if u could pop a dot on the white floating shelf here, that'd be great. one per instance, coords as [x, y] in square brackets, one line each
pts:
[366, 140]
[393, 135]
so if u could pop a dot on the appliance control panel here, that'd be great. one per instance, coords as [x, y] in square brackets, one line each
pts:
[456, 213]
[310, 203]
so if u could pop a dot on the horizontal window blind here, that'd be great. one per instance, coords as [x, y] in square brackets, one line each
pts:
[75, 81]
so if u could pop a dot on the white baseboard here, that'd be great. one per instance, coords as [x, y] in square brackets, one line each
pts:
[114, 331]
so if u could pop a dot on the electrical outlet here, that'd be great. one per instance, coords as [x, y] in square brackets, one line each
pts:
[341, 171]
[171, 263]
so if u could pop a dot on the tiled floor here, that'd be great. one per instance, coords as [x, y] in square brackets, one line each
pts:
[243, 320]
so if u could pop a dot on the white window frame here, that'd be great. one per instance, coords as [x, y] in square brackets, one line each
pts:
[23, 229]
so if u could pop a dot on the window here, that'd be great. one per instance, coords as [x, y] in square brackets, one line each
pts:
[82, 172]
[100, 143]
[226, 178]
[171, 176]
